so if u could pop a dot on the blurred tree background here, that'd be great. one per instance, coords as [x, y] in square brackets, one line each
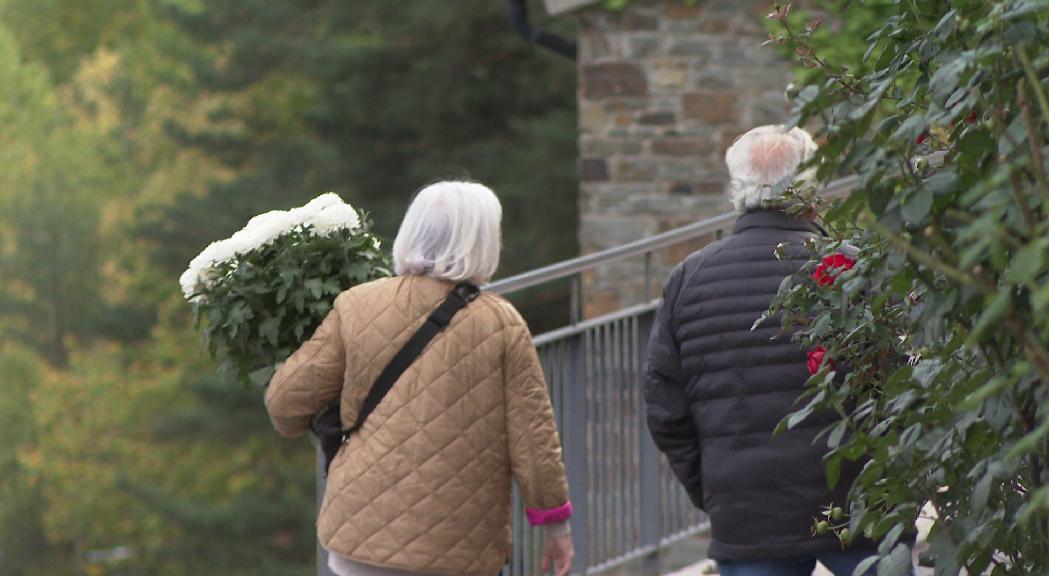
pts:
[134, 132]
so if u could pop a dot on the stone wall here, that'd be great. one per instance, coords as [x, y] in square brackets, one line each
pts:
[664, 90]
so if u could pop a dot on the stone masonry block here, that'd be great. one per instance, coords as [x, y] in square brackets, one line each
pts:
[593, 170]
[635, 170]
[593, 118]
[678, 11]
[667, 75]
[698, 49]
[612, 198]
[657, 119]
[606, 147]
[715, 185]
[747, 51]
[641, 47]
[682, 146]
[684, 169]
[600, 232]
[713, 78]
[635, 20]
[595, 45]
[613, 79]
[712, 107]
[767, 109]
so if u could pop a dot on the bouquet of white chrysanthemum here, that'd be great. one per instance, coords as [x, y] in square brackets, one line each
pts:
[262, 292]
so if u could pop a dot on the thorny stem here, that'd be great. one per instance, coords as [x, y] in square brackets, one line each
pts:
[1014, 180]
[823, 65]
[1032, 348]
[1034, 139]
[1032, 77]
[917, 16]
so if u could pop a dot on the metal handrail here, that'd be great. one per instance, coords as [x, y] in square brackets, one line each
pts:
[569, 268]
[590, 324]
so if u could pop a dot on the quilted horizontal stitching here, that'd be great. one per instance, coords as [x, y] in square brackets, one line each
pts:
[749, 366]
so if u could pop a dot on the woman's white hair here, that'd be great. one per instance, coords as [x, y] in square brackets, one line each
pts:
[762, 158]
[451, 232]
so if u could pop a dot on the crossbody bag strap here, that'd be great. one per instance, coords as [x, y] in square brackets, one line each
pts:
[438, 320]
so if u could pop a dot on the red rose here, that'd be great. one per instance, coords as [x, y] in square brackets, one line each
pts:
[921, 138]
[825, 274]
[816, 358]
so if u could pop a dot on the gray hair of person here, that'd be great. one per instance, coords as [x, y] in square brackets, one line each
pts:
[452, 231]
[762, 158]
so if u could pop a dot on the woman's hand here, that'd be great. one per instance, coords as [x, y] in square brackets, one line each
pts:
[558, 550]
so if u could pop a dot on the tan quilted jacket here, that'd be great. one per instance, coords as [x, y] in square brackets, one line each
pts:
[425, 485]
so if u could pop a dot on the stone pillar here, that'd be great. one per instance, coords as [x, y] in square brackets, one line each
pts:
[664, 90]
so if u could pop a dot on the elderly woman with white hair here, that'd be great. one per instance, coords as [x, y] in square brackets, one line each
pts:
[424, 486]
[716, 385]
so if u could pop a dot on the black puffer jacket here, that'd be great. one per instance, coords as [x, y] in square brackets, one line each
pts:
[715, 391]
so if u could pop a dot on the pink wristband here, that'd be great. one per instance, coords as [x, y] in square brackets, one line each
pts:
[550, 515]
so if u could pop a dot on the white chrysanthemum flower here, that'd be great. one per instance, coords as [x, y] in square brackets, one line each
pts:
[332, 218]
[325, 213]
[190, 281]
[271, 225]
[303, 214]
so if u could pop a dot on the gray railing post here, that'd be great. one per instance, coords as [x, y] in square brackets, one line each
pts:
[322, 554]
[649, 461]
[576, 453]
[647, 290]
[575, 301]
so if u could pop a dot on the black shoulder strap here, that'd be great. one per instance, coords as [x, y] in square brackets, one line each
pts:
[439, 319]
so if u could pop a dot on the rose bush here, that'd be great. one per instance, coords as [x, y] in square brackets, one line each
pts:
[944, 317]
[262, 292]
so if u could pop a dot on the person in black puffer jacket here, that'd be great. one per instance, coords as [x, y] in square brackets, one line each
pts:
[715, 388]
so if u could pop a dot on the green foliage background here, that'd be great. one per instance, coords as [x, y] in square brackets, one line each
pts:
[135, 132]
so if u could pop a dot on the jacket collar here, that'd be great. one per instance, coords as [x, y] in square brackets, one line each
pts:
[774, 219]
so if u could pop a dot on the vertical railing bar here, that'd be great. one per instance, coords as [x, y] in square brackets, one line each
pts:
[609, 403]
[577, 453]
[574, 313]
[651, 489]
[610, 439]
[606, 447]
[617, 441]
[624, 431]
[600, 444]
[635, 439]
[647, 290]
[621, 431]
[596, 444]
